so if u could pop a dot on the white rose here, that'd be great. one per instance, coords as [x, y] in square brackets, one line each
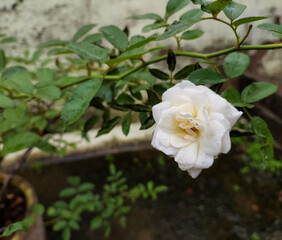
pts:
[193, 125]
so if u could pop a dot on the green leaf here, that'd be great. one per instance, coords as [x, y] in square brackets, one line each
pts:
[153, 97]
[45, 146]
[174, 6]
[235, 64]
[49, 92]
[217, 6]
[90, 123]
[74, 225]
[141, 42]
[14, 227]
[45, 75]
[171, 60]
[15, 114]
[53, 43]
[82, 31]
[19, 141]
[67, 81]
[86, 187]
[80, 99]
[38, 209]
[186, 71]
[58, 51]
[206, 76]
[153, 26]
[68, 192]
[115, 36]
[234, 10]
[96, 222]
[272, 27]
[159, 74]
[192, 16]
[233, 96]
[133, 53]
[257, 91]
[17, 78]
[66, 234]
[173, 29]
[3, 59]
[192, 34]
[126, 122]
[93, 38]
[6, 102]
[139, 108]
[8, 40]
[248, 20]
[89, 51]
[74, 181]
[147, 123]
[260, 128]
[108, 126]
[124, 99]
[152, 16]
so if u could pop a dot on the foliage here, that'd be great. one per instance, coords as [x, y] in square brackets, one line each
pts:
[55, 88]
[111, 204]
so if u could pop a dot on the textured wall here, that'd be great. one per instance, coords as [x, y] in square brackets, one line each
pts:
[34, 21]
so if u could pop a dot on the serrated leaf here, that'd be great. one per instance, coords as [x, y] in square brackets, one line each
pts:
[174, 6]
[257, 91]
[159, 74]
[206, 76]
[152, 16]
[90, 51]
[8, 40]
[153, 26]
[19, 141]
[53, 43]
[125, 99]
[217, 6]
[6, 102]
[234, 10]
[235, 64]
[49, 92]
[3, 59]
[82, 31]
[126, 122]
[147, 123]
[233, 96]
[80, 99]
[15, 114]
[248, 20]
[108, 126]
[115, 36]
[192, 34]
[192, 16]
[171, 60]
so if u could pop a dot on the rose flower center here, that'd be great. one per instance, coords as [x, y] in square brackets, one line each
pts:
[189, 124]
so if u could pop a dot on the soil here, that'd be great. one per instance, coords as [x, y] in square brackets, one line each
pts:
[220, 204]
[12, 207]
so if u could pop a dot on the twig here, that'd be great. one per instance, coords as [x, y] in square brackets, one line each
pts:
[19, 164]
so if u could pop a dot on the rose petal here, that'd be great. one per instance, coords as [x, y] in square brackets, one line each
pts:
[194, 172]
[161, 141]
[158, 110]
[204, 160]
[188, 155]
[226, 143]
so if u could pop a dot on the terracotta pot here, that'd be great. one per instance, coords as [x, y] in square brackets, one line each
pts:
[37, 230]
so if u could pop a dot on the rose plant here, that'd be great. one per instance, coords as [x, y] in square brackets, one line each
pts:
[55, 89]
